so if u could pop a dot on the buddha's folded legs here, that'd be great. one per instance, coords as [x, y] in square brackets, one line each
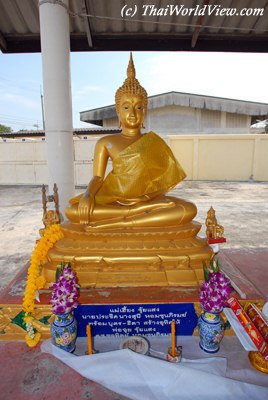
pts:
[176, 212]
[110, 211]
[163, 211]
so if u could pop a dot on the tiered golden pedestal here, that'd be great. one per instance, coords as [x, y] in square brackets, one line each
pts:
[11, 315]
[170, 256]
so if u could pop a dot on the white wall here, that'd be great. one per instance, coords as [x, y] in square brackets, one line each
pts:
[204, 157]
[188, 120]
[233, 157]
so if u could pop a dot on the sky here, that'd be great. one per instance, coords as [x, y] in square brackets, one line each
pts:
[95, 77]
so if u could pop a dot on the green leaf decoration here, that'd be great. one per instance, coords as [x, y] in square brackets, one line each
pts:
[19, 320]
[45, 319]
[57, 274]
[206, 273]
[227, 325]
[217, 268]
[59, 270]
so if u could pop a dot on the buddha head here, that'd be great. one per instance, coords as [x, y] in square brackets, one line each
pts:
[211, 212]
[131, 92]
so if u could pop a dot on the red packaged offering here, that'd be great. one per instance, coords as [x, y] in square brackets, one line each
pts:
[249, 327]
[258, 320]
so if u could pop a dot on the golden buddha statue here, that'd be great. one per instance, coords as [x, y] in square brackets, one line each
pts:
[124, 230]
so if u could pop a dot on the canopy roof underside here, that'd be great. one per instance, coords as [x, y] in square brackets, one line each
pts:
[101, 25]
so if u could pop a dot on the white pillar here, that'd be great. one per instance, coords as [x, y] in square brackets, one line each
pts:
[55, 45]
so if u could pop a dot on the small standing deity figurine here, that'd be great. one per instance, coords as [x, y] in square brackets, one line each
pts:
[214, 230]
[50, 217]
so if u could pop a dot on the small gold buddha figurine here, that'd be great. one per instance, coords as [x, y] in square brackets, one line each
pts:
[214, 230]
[124, 230]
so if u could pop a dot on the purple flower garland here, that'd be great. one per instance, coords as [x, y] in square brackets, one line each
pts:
[215, 290]
[65, 291]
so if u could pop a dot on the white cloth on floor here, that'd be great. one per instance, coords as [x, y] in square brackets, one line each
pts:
[140, 377]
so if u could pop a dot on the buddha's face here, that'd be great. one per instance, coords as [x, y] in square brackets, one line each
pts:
[131, 111]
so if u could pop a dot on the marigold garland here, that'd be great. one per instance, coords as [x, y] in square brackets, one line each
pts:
[36, 281]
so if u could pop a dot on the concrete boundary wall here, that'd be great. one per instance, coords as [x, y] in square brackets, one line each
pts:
[222, 157]
[204, 157]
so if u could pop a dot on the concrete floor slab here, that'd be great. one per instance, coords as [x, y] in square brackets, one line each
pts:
[241, 207]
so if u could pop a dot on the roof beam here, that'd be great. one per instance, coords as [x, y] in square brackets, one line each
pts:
[180, 43]
[199, 25]
[79, 42]
[83, 10]
[3, 43]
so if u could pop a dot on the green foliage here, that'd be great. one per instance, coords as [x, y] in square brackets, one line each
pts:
[213, 267]
[206, 273]
[5, 129]
[59, 270]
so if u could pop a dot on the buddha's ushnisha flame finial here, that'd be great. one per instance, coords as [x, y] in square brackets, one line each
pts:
[131, 72]
[131, 85]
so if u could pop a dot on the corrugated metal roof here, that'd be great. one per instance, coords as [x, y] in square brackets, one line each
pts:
[76, 132]
[139, 25]
[183, 99]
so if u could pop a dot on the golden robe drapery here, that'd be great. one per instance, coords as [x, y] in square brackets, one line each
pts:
[147, 167]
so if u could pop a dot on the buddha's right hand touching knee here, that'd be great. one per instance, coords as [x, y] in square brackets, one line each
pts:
[85, 208]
